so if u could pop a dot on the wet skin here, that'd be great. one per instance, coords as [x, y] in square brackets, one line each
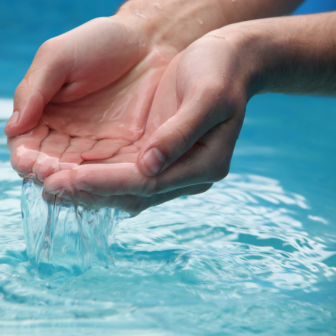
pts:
[96, 112]
[86, 118]
[99, 117]
[134, 131]
[187, 97]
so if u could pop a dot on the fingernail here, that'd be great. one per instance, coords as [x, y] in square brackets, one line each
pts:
[13, 120]
[153, 160]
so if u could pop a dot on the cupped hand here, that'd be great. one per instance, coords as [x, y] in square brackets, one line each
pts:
[86, 96]
[190, 134]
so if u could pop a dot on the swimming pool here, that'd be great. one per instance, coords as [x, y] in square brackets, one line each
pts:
[255, 254]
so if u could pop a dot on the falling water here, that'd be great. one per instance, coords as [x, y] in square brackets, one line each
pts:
[62, 235]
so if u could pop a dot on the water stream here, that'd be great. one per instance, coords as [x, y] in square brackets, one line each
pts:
[61, 235]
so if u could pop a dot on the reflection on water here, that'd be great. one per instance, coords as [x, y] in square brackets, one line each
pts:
[237, 260]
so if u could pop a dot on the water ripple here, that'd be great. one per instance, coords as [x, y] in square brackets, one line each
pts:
[239, 259]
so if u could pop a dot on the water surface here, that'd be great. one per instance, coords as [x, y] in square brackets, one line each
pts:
[254, 255]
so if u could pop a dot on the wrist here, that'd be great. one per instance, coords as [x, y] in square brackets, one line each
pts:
[241, 47]
[169, 23]
[262, 52]
[179, 23]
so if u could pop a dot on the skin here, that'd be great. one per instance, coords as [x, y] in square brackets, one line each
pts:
[92, 119]
[98, 97]
[205, 103]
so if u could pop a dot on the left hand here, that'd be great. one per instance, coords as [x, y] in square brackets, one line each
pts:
[86, 96]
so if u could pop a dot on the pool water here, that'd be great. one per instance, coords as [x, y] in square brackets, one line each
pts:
[63, 236]
[254, 255]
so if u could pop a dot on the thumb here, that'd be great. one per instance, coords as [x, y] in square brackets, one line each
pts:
[175, 137]
[44, 78]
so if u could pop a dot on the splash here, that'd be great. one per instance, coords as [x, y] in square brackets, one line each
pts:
[65, 236]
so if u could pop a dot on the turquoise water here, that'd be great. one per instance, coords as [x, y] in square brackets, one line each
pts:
[254, 255]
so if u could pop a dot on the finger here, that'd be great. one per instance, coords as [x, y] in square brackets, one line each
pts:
[180, 132]
[102, 180]
[72, 157]
[104, 49]
[165, 102]
[131, 149]
[51, 149]
[45, 77]
[25, 149]
[128, 203]
[204, 98]
[208, 161]
[126, 154]
[118, 158]
[135, 204]
[104, 149]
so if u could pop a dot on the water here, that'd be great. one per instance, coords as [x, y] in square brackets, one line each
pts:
[254, 255]
[63, 237]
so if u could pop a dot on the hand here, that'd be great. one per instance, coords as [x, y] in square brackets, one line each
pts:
[194, 122]
[199, 107]
[86, 95]
[76, 146]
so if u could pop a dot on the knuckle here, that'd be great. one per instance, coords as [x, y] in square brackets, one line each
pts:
[45, 47]
[53, 51]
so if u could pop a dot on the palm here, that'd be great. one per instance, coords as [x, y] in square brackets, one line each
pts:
[116, 181]
[191, 122]
[101, 114]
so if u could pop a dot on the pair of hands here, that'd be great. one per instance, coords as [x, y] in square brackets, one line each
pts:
[109, 118]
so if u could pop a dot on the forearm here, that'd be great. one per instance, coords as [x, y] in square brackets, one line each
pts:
[294, 54]
[180, 22]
